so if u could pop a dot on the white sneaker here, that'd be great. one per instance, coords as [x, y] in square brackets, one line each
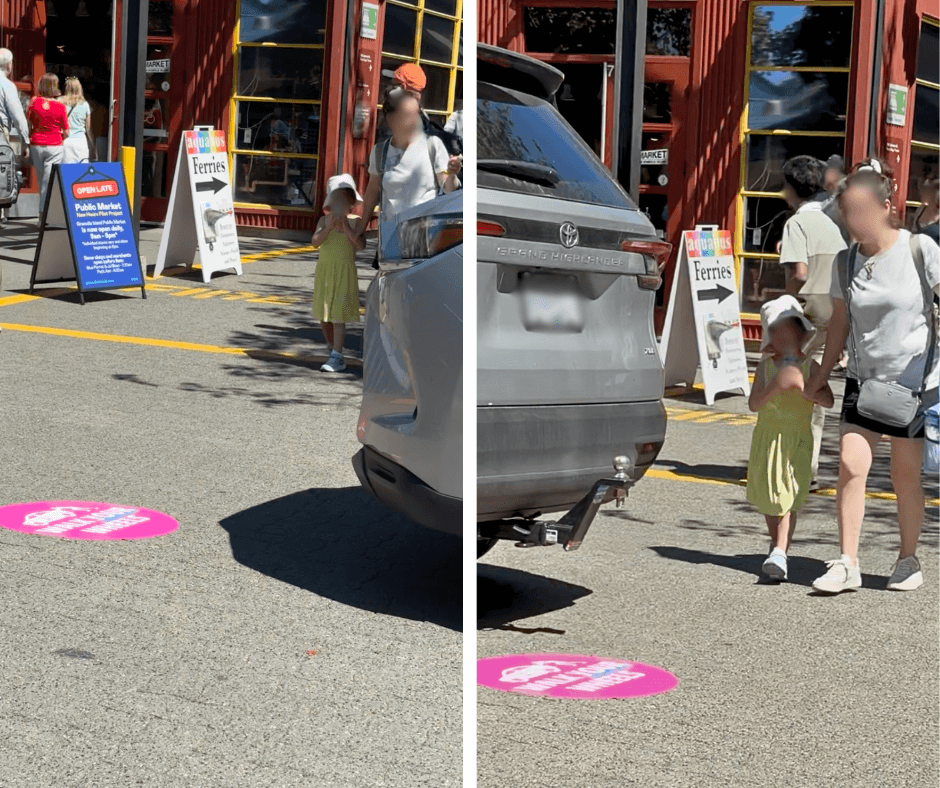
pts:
[775, 567]
[842, 576]
[906, 575]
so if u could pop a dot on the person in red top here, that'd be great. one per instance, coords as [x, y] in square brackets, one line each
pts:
[48, 128]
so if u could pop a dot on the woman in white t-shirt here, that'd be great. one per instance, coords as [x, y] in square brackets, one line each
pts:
[887, 327]
[76, 146]
[407, 169]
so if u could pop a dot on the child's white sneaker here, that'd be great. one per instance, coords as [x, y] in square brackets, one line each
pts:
[842, 576]
[906, 574]
[334, 363]
[775, 567]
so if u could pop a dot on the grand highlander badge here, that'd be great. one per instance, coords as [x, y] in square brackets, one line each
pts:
[569, 235]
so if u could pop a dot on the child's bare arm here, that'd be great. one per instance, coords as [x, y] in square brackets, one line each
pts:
[822, 396]
[353, 236]
[321, 232]
[762, 391]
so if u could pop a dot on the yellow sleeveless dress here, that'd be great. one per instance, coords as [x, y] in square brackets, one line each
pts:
[779, 471]
[335, 286]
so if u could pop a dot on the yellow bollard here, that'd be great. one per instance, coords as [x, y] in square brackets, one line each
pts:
[128, 156]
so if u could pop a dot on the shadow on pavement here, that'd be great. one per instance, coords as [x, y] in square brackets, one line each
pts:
[339, 544]
[507, 595]
[734, 473]
[801, 571]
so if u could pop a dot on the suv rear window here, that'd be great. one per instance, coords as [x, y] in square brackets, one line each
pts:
[516, 127]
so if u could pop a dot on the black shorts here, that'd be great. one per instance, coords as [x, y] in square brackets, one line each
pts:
[850, 414]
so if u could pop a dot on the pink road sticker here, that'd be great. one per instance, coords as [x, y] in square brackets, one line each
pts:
[573, 676]
[85, 520]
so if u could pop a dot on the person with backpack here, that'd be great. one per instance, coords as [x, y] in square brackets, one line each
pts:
[405, 170]
[11, 118]
[411, 78]
[882, 291]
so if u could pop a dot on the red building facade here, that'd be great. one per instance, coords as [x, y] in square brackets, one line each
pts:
[732, 88]
[296, 85]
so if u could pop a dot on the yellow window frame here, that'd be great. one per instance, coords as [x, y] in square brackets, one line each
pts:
[743, 193]
[453, 69]
[929, 146]
[237, 45]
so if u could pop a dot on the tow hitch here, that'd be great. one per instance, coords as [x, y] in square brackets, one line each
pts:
[571, 529]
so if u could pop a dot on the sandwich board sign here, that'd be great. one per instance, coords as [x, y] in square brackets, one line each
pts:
[86, 232]
[201, 214]
[704, 302]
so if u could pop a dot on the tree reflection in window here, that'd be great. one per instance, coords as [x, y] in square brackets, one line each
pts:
[553, 29]
[532, 132]
[669, 32]
[802, 36]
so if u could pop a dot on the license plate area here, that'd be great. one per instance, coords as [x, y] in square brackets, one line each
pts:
[551, 303]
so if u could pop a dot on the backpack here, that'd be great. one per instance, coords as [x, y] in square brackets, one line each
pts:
[9, 172]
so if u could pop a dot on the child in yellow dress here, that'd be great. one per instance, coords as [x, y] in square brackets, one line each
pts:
[335, 284]
[779, 471]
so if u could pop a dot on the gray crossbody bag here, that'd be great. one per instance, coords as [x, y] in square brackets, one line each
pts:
[879, 400]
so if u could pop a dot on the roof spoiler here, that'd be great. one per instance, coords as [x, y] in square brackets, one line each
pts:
[517, 72]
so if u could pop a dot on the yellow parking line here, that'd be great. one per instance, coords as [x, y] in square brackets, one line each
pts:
[189, 291]
[174, 344]
[16, 299]
[672, 476]
[250, 258]
[681, 414]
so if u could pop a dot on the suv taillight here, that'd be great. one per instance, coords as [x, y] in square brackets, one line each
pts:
[656, 253]
[490, 228]
[428, 236]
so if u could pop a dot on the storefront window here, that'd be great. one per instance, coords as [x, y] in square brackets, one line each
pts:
[801, 35]
[925, 135]
[796, 104]
[669, 32]
[427, 32]
[275, 131]
[561, 30]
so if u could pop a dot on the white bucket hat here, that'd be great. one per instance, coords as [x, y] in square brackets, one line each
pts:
[784, 308]
[343, 181]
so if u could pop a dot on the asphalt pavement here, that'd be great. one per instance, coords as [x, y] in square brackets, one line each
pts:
[778, 687]
[291, 632]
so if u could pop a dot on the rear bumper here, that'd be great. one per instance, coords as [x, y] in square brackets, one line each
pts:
[540, 459]
[401, 491]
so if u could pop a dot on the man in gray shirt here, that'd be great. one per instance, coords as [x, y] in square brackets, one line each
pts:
[811, 240]
[11, 110]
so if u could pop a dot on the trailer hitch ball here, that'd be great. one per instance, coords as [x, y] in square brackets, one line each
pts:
[621, 466]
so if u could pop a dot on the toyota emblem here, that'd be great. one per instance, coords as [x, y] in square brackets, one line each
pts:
[569, 235]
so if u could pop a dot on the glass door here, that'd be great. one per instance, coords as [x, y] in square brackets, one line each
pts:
[163, 78]
[663, 148]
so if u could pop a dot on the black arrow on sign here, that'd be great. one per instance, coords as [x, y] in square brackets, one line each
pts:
[210, 186]
[719, 292]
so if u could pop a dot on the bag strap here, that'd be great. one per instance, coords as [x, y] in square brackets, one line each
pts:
[846, 271]
[438, 181]
[383, 155]
[917, 253]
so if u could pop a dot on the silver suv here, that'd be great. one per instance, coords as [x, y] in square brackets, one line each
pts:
[411, 417]
[570, 379]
